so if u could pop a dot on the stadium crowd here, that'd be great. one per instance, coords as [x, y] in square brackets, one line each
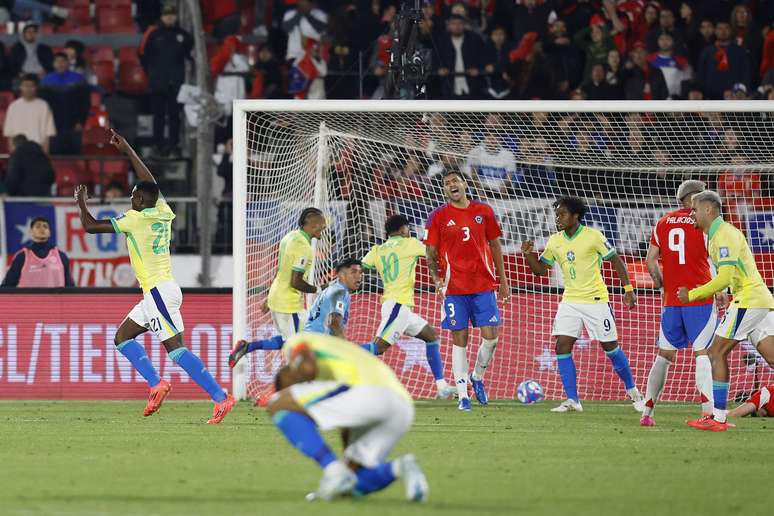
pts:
[496, 49]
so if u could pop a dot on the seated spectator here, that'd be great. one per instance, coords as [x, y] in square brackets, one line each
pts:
[67, 94]
[29, 115]
[666, 24]
[29, 173]
[723, 64]
[596, 43]
[675, 68]
[267, 83]
[490, 164]
[163, 56]
[597, 87]
[300, 24]
[29, 56]
[37, 12]
[642, 80]
[74, 50]
[497, 61]
[460, 61]
[39, 264]
[614, 74]
[114, 191]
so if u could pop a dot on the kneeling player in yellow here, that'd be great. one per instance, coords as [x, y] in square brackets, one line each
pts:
[330, 383]
[750, 313]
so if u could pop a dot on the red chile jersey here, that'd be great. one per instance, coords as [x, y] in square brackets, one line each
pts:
[684, 256]
[462, 237]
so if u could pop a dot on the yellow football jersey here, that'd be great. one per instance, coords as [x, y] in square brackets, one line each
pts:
[580, 258]
[728, 246]
[341, 361]
[148, 234]
[396, 262]
[295, 255]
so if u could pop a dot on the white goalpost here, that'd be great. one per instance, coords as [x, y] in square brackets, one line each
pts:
[362, 161]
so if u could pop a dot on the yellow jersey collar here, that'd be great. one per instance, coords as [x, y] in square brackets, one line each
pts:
[393, 237]
[714, 227]
[305, 235]
[577, 232]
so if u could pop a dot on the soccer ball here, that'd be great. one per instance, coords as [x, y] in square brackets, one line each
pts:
[530, 391]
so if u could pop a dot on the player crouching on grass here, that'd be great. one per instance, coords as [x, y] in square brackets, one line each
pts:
[750, 313]
[330, 383]
[580, 251]
[148, 229]
[760, 404]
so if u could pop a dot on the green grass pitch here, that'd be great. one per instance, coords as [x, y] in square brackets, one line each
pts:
[90, 458]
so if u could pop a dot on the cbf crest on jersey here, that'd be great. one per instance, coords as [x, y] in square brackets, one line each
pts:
[570, 256]
[724, 252]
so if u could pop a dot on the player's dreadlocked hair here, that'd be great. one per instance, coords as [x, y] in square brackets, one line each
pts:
[307, 214]
[394, 224]
[573, 205]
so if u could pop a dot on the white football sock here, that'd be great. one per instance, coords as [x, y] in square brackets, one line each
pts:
[441, 384]
[484, 356]
[656, 380]
[460, 370]
[704, 382]
[719, 415]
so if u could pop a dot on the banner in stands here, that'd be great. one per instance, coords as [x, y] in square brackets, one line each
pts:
[99, 260]
[61, 346]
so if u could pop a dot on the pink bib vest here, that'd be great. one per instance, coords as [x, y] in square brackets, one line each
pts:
[45, 272]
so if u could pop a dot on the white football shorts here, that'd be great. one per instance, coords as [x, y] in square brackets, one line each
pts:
[597, 318]
[741, 323]
[288, 325]
[159, 310]
[397, 320]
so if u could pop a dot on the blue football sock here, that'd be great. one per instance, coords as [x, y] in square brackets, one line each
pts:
[275, 342]
[136, 354]
[621, 366]
[720, 394]
[433, 353]
[302, 433]
[569, 375]
[370, 347]
[196, 370]
[373, 479]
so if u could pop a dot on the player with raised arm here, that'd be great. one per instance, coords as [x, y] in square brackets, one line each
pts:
[329, 383]
[579, 250]
[286, 294]
[750, 313]
[463, 244]
[683, 252]
[147, 226]
[396, 262]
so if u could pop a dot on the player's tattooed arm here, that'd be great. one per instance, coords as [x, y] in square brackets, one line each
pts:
[538, 268]
[90, 224]
[432, 266]
[651, 260]
[120, 143]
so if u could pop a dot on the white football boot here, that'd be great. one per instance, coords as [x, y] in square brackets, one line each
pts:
[568, 406]
[337, 480]
[413, 478]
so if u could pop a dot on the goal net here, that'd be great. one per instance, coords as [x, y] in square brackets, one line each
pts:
[362, 161]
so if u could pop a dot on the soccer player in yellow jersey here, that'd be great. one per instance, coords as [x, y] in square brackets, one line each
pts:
[330, 383]
[579, 250]
[750, 313]
[148, 229]
[286, 294]
[396, 262]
